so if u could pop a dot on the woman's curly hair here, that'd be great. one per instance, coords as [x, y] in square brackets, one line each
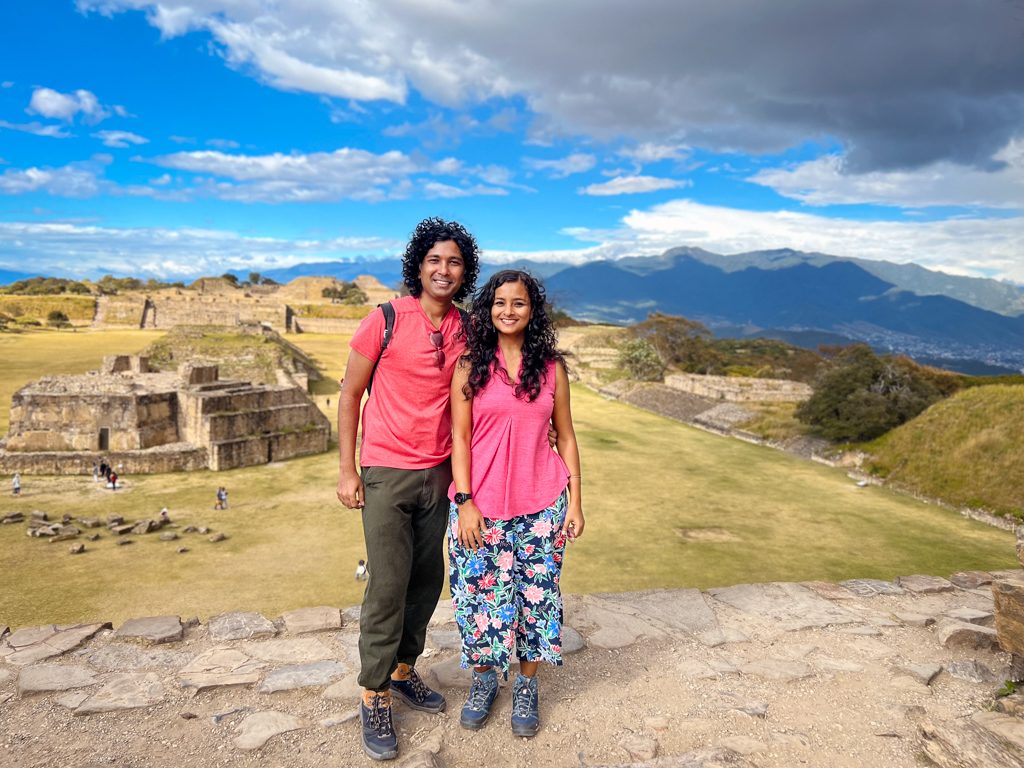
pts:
[482, 344]
[434, 230]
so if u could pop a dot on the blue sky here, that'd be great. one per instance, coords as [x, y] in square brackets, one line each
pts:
[186, 138]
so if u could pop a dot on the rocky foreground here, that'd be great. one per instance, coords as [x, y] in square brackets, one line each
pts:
[863, 673]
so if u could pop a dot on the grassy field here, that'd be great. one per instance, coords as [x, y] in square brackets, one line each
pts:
[965, 450]
[653, 488]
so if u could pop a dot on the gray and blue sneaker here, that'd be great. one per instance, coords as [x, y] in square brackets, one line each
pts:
[525, 715]
[379, 739]
[481, 697]
[416, 694]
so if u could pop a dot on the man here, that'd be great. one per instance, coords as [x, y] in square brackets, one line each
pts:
[405, 455]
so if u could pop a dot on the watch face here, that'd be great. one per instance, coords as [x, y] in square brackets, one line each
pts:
[462, 498]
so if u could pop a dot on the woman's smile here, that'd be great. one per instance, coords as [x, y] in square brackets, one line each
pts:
[511, 310]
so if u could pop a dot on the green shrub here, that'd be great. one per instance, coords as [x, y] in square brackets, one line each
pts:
[641, 359]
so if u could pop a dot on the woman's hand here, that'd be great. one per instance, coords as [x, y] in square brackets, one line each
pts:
[471, 526]
[573, 524]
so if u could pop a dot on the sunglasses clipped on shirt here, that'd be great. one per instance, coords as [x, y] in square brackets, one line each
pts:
[437, 341]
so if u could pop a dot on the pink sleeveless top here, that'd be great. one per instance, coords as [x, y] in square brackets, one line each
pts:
[514, 470]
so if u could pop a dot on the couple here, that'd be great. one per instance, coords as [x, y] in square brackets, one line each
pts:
[455, 438]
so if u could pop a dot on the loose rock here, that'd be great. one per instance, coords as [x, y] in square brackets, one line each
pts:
[239, 625]
[640, 748]
[915, 619]
[302, 676]
[217, 537]
[124, 690]
[924, 585]
[258, 728]
[77, 549]
[304, 621]
[970, 579]
[959, 634]
[922, 672]
[154, 629]
[971, 671]
[43, 678]
[871, 587]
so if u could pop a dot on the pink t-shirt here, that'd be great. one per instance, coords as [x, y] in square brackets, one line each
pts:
[406, 420]
[513, 469]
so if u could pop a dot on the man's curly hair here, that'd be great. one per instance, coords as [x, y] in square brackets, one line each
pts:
[435, 230]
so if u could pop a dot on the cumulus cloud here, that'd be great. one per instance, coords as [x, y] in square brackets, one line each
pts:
[222, 143]
[979, 247]
[119, 139]
[183, 139]
[166, 252]
[80, 179]
[649, 152]
[899, 84]
[7, 84]
[434, 189]
[632, 185]
[577, 162]
[38, 129]
[826, 181]
[52, 104]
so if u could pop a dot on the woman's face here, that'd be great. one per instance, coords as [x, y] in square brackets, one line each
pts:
[511, 309]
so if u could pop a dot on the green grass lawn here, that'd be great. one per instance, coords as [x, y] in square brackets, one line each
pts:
[290, 543]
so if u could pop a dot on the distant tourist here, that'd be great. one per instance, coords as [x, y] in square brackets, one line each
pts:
[17, 484]
[361, 574]
[406, 468]
[104, 469]
[515, 502]
[112, 481]
[222, 498]
[95, 472]
[164, 517]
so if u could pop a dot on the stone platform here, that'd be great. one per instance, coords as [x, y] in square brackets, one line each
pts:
[865, 672]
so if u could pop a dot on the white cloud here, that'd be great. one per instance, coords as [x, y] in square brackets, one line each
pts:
[6, 84]
[38, 129]
[434, 189]
[577, 162]
[164, 252]
[826, 181]
[183, 139]
[64, 106]
[119, 139]
[80, 179]
[632, 185]
[980, 247]
[222, 143]
[650, 152]
[161, 181]
[122, 112]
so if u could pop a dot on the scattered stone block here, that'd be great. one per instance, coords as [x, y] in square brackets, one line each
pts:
[181, 550]
[915, 619]
[970, 579]
[154, 630]
[924, 585]
[258, 728]
[44, 678]
[168, 536]
[90, 522]
[971, 671]
[303, 621]
[640, 748]
[76, 549]
[124, 690]
[93, 537]
[219, 536]
[1009, 613]
[123, 542]
[794, 607]
[220, 666]
[142, 527]
[925, 673]
[114, 519]
[39, 515]
[572, 641]
[871, 587]
[972, 616]
[239, 625]
[959, 634]
[450, 674]
[121, 530]
[290, 650]
[189, 529]
[777, 669]
[302, 676]
[68, 530]
[63, 537]
[202, 530]
[13, 517]
[29, 646]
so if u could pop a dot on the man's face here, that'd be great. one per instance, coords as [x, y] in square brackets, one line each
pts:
[442, 270]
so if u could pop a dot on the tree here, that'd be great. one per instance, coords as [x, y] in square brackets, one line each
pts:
[680, 341]
[254, 278]
[57, 319]
[641, 359]
[859, 395]
[233, 279]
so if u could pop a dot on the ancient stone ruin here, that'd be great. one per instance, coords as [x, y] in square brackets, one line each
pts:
[145, 422]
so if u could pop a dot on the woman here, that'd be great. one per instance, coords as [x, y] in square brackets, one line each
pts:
[514, 501]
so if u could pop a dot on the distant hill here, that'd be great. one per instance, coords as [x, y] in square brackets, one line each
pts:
[388, 271]
[964, 450]
[838, 297]
[7, 277]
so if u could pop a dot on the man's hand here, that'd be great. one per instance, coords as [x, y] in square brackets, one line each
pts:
[350, 490]
[552, 435]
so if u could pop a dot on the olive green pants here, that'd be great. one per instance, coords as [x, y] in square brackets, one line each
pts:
[405, 518]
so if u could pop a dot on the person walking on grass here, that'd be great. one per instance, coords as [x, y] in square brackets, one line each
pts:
[16, 482]
[514, 501]
[405, 468]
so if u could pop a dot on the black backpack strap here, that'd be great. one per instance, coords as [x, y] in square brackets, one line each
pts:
[389, 329]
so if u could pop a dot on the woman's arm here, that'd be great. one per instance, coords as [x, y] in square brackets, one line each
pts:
[569, 451]
[470, 520]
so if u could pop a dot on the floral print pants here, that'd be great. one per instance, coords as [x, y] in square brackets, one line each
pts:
[506, 594]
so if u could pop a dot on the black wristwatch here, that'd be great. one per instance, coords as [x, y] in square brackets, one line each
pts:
[462, 498]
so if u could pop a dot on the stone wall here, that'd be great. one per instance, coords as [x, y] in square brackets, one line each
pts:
[737, 389]
[335, 325]
[119, 311]
[181, 458]
[170, 311]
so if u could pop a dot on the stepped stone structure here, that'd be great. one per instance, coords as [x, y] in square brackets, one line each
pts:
[145, 422]
[737, 389]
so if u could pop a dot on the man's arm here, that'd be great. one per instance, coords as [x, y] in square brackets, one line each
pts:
[357, 376]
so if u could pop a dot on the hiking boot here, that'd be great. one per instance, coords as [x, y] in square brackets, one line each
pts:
[379, 739]
[414, 692]
[525, 717]
[481, 697]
